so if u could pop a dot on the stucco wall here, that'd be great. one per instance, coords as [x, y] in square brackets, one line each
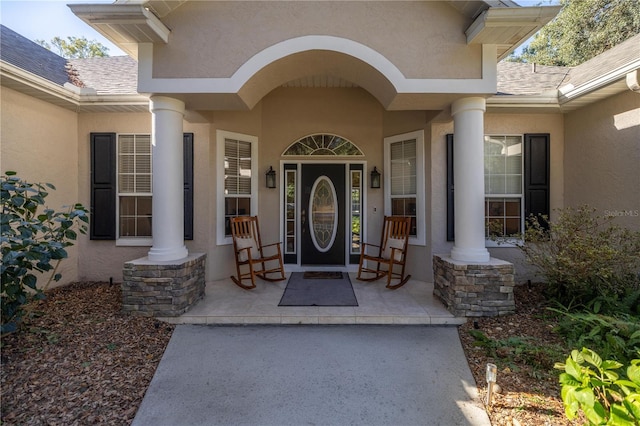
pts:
[602, 158]
[104, 259]
[497, 124]
[33, 131]
[431, 35]
[288, 114]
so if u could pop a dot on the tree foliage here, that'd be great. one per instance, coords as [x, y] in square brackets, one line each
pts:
[34, 240]
[75, 47]
[583, 29]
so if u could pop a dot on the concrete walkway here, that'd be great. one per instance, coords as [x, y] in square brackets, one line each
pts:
[312, 375]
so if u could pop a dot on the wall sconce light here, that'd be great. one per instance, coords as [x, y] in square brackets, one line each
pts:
[375, 178]
[271, 178]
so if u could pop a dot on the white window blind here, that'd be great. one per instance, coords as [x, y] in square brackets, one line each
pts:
[404, 181]
[503, 179]
[134, 186]
[237, 167]
[403, 168]
[237, 180]
[134, 164]
[503, 165]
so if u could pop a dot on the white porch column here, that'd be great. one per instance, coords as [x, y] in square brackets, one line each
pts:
[468, 160]
[168, 179]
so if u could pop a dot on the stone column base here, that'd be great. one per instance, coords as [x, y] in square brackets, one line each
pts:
[474, 290]
[163, 289]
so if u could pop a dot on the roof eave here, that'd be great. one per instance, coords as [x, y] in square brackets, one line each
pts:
[569, 93]
[68, 96]
[543, 102]
[509, 27]
[125, 25]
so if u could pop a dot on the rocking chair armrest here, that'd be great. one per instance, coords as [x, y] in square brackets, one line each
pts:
[272, 244]
[364, 248]
[393, 256]
[364, 245]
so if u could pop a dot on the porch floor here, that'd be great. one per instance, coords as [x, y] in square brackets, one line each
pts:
[226, 303]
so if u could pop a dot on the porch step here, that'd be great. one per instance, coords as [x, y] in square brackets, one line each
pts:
[227, 304]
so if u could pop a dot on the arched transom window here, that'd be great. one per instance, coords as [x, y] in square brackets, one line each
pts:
[323, 144]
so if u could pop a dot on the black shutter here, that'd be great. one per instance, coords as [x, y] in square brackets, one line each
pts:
[536, 175]
[103, 186]
[450, 200]
[188, 186]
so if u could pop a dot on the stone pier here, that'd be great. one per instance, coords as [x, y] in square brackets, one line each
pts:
[474, 290]
[163, 288]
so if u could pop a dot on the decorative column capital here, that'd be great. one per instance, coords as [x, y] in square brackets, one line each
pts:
[160, 103]
[468, 104]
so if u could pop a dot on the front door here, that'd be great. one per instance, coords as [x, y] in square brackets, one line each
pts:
[322, 214]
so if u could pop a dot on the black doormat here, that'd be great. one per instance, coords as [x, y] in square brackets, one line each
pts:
[322, 275]
[303, 291]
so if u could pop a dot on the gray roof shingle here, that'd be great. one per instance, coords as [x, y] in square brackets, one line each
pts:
[617, 56]
[516, 78]
[29, 56]
[113, 75]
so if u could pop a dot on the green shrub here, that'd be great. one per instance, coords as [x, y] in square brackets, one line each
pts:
[605, 391]
[34, 239]
[615, 338]
[584, 257]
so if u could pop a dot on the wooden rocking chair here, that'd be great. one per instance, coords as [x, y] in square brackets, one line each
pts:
[249, 251]
[391, 252]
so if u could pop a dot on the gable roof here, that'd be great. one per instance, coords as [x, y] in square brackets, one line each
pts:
[519, 85]
[31, 57]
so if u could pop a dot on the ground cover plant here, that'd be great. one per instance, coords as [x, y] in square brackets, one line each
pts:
[589, 308]
[605, 392]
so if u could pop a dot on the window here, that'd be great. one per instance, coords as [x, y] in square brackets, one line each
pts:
[356, 211]
[517, 182]
[322, 144]
[291, 207]
[134, 186]
[503, 166]
[404, 186]
[237, 180]
[121, 189]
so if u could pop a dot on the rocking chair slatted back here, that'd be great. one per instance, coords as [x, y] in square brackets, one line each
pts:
[391, 252]
[249, 252]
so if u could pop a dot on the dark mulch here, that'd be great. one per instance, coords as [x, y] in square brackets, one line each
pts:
[530, 392]
[79, 360]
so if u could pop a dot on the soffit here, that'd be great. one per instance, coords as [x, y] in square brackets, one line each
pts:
[160, 8]
[570, 104]
[471, 9]
[125, 24]
[509, 27]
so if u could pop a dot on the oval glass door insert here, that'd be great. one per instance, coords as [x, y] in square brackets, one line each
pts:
[323, 218]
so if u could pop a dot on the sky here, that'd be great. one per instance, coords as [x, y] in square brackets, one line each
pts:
[45, 20]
